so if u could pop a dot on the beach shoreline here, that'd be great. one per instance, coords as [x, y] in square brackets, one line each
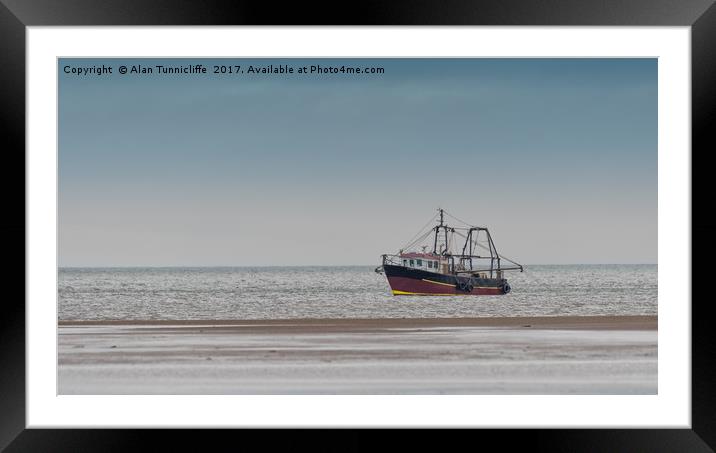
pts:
[639, 322]
[524, 355]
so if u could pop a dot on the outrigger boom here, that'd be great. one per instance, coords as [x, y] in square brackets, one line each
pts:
[443, 272]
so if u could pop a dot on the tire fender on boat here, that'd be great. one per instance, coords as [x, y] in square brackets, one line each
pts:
[465, 286]
[506, 288]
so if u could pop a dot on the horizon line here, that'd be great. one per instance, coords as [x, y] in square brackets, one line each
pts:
[316, 265]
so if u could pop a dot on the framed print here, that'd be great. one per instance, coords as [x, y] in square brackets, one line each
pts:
[221, 222]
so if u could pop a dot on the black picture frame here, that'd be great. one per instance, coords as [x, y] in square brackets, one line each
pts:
[16, 15]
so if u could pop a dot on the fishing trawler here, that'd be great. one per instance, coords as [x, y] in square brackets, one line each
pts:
[443, 271]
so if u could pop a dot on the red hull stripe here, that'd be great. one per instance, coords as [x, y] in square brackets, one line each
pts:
[411, 286]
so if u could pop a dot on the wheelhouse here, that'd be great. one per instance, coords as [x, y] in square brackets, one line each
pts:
[424, 261]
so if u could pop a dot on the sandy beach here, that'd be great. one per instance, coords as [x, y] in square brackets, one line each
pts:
[525, 355]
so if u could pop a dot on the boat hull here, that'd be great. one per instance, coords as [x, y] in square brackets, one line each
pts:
[406, 281]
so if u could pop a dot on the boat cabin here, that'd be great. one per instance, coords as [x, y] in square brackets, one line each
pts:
[423, 261]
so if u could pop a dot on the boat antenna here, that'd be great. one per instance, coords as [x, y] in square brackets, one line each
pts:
[441, 216]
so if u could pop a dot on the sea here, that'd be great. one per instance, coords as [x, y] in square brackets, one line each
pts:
[232, 293]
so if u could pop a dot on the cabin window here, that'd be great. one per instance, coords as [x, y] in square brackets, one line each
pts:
[420, 262]
[405, 262]
[412, 263]
[430, 264]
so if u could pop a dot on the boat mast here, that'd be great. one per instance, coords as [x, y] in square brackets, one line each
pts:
[437, 232]
[445, 228]
[493, 254]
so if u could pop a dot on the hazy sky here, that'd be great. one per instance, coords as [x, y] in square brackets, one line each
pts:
[558, 157]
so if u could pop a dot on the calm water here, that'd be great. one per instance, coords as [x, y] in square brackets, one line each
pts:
[343, 292]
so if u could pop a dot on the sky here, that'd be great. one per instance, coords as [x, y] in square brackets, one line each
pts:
[557, 157]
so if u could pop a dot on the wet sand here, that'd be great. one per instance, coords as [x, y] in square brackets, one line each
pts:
[537, 322]
[528, 355]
